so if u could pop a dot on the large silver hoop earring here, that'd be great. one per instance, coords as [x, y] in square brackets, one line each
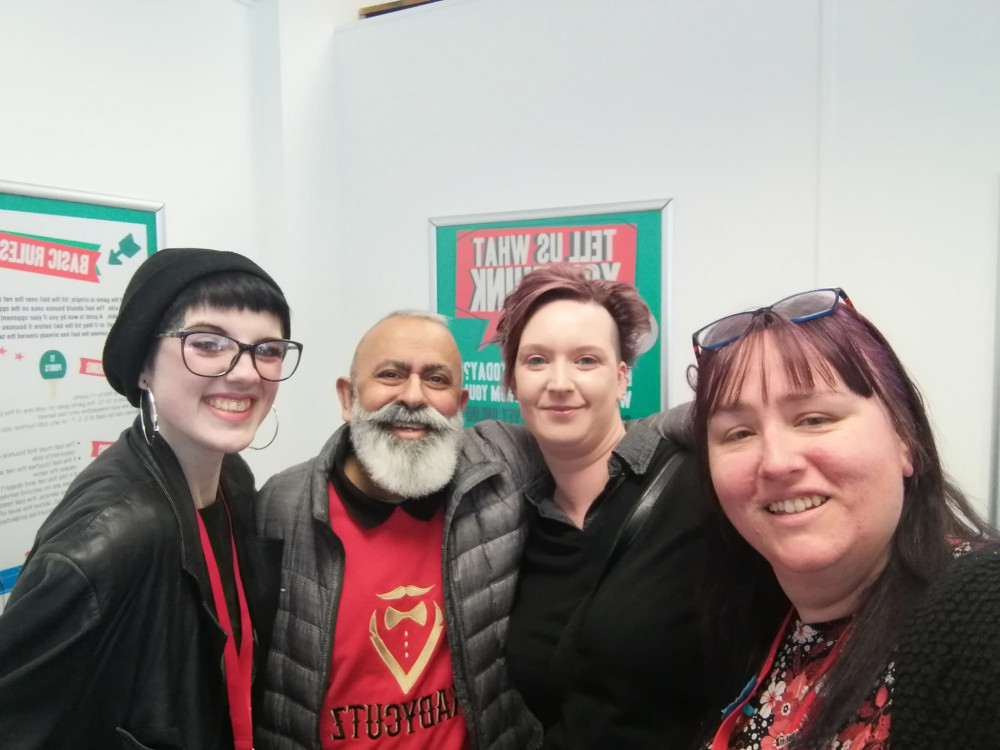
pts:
[147, 416]
[276, 426]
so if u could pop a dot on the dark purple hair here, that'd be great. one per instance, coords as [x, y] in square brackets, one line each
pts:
[845, 345]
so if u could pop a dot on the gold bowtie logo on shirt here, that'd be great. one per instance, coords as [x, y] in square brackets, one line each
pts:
[393, 617]
[418, 614]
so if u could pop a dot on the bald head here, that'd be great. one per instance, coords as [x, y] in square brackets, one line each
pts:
[410, 357]
[415, 315]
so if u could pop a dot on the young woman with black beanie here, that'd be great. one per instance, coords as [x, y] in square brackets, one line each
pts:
[145, 601]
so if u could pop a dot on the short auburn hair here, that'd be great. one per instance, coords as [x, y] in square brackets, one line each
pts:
[568, 282]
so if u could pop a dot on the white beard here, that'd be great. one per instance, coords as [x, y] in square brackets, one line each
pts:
[406, 468]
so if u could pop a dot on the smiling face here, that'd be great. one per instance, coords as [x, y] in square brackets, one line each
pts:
[404, 406]
[811, 477]
[410, 361]
[203, 418]
[568, 377]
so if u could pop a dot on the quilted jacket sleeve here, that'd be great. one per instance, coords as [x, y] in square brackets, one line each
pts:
[510, 444]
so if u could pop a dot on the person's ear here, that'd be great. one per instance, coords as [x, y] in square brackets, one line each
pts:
[906, 458]
[345, 392]
[622, 380]
[463, 399]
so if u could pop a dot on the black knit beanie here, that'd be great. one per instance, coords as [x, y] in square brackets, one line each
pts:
[155, 285]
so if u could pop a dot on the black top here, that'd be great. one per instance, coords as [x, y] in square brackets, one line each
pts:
[636, 675]
[370, 511]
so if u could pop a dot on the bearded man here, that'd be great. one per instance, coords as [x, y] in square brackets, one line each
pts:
[401, 546]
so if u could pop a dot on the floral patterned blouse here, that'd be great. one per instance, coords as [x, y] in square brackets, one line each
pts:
[765, 721]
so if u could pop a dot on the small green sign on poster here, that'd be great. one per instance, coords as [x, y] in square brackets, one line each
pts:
[52, 367]
[478, 260]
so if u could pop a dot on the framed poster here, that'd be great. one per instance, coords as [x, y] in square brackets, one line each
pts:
[65, 259]
[479, 259]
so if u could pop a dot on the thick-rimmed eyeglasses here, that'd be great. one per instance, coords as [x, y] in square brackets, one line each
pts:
[798, 309]
[212, 355]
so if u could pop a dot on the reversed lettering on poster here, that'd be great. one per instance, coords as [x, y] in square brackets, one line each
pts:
[483, 381]
[500, 262]
[42, 317]
[82, 408]
[33, 480]
[491, 262]
[23, 252]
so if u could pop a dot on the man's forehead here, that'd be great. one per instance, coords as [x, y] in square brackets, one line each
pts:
[414, 342]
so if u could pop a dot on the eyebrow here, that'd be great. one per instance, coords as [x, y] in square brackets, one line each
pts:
[213, 328]
[396, 364]
[435, 368]
[545, 349]
[200, 326]
[800, 396]
[399, 364]
[796, 397]
[532, 346]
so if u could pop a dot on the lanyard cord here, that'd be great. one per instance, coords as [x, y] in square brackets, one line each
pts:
[238, 666]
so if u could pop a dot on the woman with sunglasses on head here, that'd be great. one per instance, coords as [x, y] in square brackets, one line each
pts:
[145, 602]
[824, 464]
[605, 642]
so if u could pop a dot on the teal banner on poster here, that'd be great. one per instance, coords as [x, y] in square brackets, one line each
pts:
[478, 260]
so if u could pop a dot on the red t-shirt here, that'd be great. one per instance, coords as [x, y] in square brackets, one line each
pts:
[391, 684]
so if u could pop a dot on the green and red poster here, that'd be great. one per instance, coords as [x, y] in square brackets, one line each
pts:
[65, 259]
[479, 260]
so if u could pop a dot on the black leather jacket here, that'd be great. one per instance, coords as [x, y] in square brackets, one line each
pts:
[109, 638]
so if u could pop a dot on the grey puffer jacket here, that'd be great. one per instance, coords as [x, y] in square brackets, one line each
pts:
[485, 528]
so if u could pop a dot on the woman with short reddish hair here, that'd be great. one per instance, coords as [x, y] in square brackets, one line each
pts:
[605, 639]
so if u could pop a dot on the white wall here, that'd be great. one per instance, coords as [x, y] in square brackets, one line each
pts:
[316, 277]
[910, 190]
[188, 102]
[803, 143]
[347, 10]
[147, 100]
